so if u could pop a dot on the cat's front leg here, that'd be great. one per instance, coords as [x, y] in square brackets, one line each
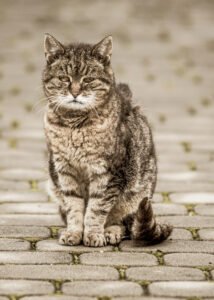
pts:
[73, 208]
[96, 215]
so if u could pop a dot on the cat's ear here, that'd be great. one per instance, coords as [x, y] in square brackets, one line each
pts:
[52, 47]
[104, 48]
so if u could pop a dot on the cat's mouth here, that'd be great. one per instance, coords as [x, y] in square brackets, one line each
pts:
[75, 101]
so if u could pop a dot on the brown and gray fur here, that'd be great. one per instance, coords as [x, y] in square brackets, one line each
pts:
[102, 160]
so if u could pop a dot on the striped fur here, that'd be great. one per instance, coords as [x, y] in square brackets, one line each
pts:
[102, 160]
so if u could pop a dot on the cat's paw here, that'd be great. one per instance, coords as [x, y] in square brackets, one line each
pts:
[71, 238]
[94, 239]
[113, 234]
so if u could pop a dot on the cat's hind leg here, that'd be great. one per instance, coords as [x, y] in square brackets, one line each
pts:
[114, 234]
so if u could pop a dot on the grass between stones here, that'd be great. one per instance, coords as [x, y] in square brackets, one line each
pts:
[166, 198]
[190, 209]
[194, 232]
[33, 185]
[145, 286]
[207, 272]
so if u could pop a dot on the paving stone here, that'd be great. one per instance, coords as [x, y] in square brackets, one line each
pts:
[100, 288]
[3, 298]
[58, 297]
[34, 258]
[118, 258]
[29, 208]
[53, 245]
[22, 174]
[182, 289]
[180, 234]
[206, 234]
[193, 198]
[157, 198]
[205, 210]
[189, 259]
[184, 187]
[142, 298]
[188, 221]
[28, 220]
[24, 231]
[164, 273]
[6, 185]
[20, 287]
[59, 272]
[13, 244]
[22, 196]
[169, 209]
[169, 246]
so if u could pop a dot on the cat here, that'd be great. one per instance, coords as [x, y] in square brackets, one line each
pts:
[102, 160]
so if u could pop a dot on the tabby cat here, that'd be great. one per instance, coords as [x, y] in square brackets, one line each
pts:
[102, 161]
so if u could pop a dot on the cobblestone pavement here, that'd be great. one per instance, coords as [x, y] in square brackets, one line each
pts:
[165, 50]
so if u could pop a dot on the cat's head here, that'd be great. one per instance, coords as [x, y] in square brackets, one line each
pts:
[77, 76]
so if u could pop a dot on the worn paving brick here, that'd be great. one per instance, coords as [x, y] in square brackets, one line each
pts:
[169, 209]
[29, 208]
[180, 234]
[103, 288]
[185, 187]
[189, 259]
[28, 220]
[53, 245]
[188, 221]
[164, 273]
[193, 198]
[118, 258]
[59, 272]
[206, 234]
[23, 174]
[22, 196]
[13, 244]
[3, 298]
[6, 185]
[169, 246]
[26, 257]
[24, 231]
[20, 287]
[143, 298]
[182, 289]
[205, 210]
[58, 297]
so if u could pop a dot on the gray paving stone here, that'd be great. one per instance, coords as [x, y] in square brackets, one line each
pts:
[185, 187]
[22, 196]
[193, 198]
[7, 257]
[157, 198]
[24, 231]
[188, 221]
[118, 258]
[53, 245]
[169, 209]
[206, 234]
[3, 298]
[164, 273]
[29, 208]
[22, 174]
[189, 259]
[182, 289]
[205, 210]
[142, 298]
[6, 185]
[57, 297]
[59, 272]
[169, 246]
[13, 244]
[103, 288]
[180, 234]
[28, 220]
[20, 287]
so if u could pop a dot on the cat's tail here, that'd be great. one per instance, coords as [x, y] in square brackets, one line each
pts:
[146, 228]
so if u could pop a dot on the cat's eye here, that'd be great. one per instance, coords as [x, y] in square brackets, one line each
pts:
[64, 78]
[88, 79]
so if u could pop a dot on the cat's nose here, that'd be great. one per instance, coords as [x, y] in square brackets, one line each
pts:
[75, 89]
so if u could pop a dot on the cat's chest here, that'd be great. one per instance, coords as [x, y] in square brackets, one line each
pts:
[85, 148]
